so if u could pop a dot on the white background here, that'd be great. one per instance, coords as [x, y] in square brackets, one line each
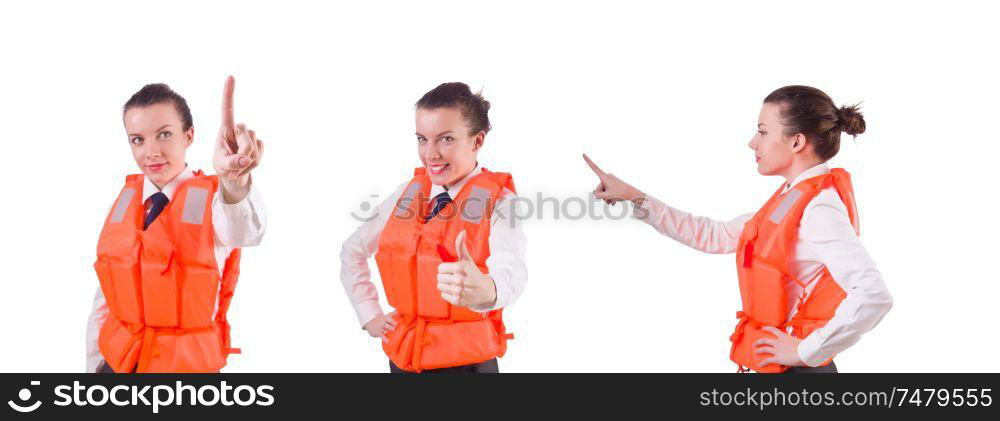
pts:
[665, 96]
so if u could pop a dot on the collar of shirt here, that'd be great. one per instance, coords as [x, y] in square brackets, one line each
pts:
[149, 189]
[807, 174]
[457, 187]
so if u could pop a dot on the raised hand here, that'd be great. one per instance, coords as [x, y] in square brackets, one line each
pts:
[462, 283]
[237, 150]
[611, 189]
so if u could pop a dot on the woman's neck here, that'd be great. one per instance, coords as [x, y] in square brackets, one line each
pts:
[797, 168]
[459, 179]
[159, 187]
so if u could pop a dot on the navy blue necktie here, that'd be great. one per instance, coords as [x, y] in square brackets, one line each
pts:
[160, 201]
[440, 201]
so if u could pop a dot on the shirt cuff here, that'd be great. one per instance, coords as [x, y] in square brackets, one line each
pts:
[240, 224]
[241, 209]
[646, 212]
[367, 310]
[499, 303]
[810, 352]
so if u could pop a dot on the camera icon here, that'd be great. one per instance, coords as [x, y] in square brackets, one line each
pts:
[365, 208]
[24, 395]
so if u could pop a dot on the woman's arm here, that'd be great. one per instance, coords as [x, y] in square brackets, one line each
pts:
[98, 315]
[827, 232]
[701, 233]
[237, 209]
[507, 251]
[240, 224]
[354, 253]
[698, 232]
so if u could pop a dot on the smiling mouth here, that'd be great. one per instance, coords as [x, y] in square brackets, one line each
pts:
[438, 169]
[157, 167]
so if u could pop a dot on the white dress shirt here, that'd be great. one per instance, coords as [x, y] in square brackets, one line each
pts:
[236, 225]
[506, 262]
[826, 239]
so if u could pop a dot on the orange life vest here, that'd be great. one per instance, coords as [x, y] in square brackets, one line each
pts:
[430, 332]
[161, 284]
[766, 247]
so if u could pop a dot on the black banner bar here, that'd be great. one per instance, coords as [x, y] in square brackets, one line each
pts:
[342, 396]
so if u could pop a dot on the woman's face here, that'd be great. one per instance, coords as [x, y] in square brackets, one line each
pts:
[445, 146]
[772, 148]
[158, 141]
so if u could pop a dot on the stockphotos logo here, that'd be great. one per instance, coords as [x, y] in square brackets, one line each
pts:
[24, 395]
[151, 396]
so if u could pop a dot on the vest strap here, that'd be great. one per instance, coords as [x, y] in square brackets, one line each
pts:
[797, 323]
[745, 320]
[147, 334]
[748, 254]
[418, 325]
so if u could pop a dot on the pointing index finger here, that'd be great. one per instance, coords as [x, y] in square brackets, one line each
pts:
[227, 103]
[594, 167]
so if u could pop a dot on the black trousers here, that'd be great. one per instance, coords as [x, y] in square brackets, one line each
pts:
[104, 367]
[829, 368]
[483, 367]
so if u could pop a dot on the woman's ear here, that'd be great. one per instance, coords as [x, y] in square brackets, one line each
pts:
[477, 142]
[188, 137]
[798, 142]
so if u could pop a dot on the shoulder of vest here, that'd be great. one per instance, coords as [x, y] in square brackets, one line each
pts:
[420, 176]
[133, 177]
[837, 177]
[200, 179]
[501, 179]
[840, 180]
[840, 174]
[814, 185]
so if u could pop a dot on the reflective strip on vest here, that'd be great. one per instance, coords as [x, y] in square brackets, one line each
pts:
[475, 205]
[194, 205]
[786, 204]
[408, 196]
[119, 213]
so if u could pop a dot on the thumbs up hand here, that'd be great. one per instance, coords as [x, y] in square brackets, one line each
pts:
[611, 189]
[462, 283]
[237, 150]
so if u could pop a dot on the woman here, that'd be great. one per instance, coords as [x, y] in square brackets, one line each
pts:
[448, 250]
[809, 288]
[168, 256]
